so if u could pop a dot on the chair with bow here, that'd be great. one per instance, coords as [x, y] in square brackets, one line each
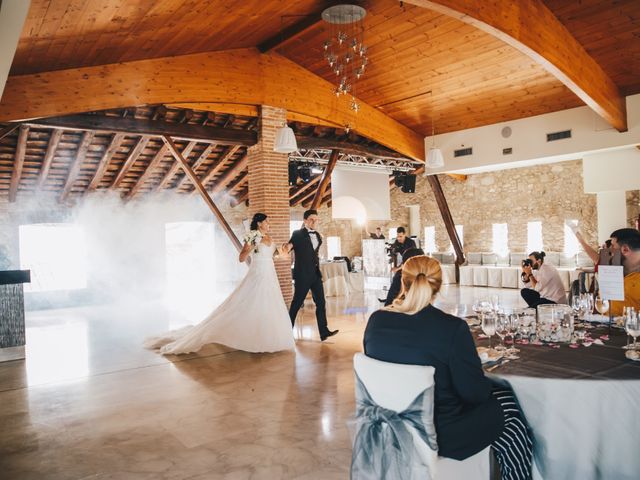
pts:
[395, 435]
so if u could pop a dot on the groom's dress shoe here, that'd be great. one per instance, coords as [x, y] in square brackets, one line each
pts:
[330, 333]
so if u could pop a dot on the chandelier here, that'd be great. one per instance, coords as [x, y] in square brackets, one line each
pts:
[344, 49]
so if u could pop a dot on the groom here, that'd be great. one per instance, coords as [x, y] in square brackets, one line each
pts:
[306, 272]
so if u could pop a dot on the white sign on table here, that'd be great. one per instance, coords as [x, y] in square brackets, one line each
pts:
[611, 282]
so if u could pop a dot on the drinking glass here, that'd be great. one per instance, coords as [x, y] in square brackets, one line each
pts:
[632, 327]
[589, 302]
[489, 326]
[502, 329]
[512, 328]
[602, 305]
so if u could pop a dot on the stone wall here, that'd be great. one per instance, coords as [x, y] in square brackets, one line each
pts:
[633, 207]
[549, 193]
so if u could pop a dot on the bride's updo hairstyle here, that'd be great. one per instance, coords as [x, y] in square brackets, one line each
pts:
[257, 218]
[421, 281]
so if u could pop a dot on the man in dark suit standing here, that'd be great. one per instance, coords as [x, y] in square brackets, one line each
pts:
[306, 272]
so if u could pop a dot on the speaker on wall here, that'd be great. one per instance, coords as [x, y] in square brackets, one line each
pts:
[409, 184]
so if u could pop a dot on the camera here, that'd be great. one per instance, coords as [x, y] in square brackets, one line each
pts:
[527, 262]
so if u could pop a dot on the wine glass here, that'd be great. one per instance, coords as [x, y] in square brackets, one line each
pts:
[602, 305]
[632, 327]
[502, 328]
[589, 302]
[489, 326]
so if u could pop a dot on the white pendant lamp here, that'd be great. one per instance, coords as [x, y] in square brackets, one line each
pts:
[435, 158]
[285, 140]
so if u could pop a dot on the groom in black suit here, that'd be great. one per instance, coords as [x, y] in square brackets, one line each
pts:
[306, 272]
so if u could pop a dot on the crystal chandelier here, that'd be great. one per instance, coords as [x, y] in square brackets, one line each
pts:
[344, 49]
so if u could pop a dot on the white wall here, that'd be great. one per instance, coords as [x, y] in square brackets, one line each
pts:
[528, 140]
[12, 16]
[614, 170]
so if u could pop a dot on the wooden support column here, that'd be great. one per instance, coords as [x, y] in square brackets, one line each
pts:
[269, 186]
[326, 178]
[441, 200]
[208, 200]
[18, 163]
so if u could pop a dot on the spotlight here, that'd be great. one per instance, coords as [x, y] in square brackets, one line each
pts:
[293, 173]
[304, 172]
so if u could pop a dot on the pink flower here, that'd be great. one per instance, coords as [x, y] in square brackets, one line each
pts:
[604, 337]
[574, 345]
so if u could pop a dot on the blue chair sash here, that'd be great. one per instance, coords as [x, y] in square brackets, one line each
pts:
[384, 447]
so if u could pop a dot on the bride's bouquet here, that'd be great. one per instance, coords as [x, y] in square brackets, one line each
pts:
[253, 238]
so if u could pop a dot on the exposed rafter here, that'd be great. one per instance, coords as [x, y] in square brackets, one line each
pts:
[530, 27]
[230, 174]
[290, 33]
[18, 163]
[219, 165]
[326, 179]
[76, 164]
[48, 157]
[155, 161]
[8, 130]
[302, 193]
[114, 144]
[443, 206]
[203, 156]
[175, 166]
[135, 152]
[132, 126]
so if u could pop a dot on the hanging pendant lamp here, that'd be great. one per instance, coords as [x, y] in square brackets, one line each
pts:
[285, 140]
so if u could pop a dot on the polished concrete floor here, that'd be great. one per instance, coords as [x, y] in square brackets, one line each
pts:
[90, 403]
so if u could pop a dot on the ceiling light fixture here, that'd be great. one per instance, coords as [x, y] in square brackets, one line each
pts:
[434, 157]
[285, 140]
[344, 49]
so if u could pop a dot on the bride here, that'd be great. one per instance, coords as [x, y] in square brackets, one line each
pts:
[254, 318]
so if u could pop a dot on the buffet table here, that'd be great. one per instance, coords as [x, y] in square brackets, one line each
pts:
[582, 405]
[12, 325]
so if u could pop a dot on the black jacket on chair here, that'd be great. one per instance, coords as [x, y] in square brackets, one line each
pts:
[306, 267]
[467, 417]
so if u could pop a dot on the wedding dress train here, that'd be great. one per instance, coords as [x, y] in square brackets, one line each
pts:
[254, 318]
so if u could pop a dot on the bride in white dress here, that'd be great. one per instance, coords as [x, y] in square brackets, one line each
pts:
[254, 318]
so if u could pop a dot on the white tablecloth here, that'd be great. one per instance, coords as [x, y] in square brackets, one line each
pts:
[335, 278]
[587, 429]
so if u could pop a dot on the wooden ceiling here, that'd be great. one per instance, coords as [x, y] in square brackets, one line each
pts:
[474, 78]
[51, 157]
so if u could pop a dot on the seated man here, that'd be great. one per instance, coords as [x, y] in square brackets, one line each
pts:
[628, 241]
[396, 282]
[377, 235]
[545, 286]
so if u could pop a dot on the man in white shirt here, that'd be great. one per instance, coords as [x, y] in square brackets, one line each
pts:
[543, 286]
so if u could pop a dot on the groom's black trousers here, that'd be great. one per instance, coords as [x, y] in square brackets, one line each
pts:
[317, 292]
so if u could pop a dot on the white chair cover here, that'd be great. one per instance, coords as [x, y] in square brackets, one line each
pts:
[448, 274]
[466, 275]
[480, 276]
[494, 277]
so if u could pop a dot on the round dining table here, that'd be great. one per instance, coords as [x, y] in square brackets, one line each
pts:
[582, 404]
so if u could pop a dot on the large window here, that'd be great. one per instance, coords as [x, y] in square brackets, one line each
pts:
[500, 234]
[333, 247]
[534, 237]
[56, 254]
[571, 244]
[460, 232]
[430, 239]
[393, 232]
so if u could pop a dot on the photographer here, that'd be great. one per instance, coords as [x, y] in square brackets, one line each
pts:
[402, 244]
[545, 286]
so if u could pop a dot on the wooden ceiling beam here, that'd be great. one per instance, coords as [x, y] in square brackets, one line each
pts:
[18, 163]
[290, 33]
[240, 198]
[219, 165]
[231, 173]
[114, 144]
[326, 178]
[243, 76]
[175, 166]
[135, 152]
[530, 27]
[76, 164]
[54, 139]
[207, 198]
[155, 161]
[203, 156]
[299, 194]
[8, 130]
[450, 225]
[136, 126]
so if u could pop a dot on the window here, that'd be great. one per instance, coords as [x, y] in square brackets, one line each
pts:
[56, 254]
[500, 233]
[571, 244]
[294, 225]
[333, 247]
[430, 239]
[460, 232]
[534, 237]
[392, 233]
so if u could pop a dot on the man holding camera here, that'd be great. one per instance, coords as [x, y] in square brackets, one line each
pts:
[545, 286]
[401, 245]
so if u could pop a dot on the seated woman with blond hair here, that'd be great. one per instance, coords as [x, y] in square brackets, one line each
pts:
[470, 411]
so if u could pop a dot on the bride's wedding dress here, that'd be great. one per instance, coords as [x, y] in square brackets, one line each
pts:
[254, 318]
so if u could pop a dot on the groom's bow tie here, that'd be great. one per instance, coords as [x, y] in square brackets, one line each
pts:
[312, 231]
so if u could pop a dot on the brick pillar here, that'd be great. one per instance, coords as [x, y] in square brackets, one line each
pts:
[269, 186]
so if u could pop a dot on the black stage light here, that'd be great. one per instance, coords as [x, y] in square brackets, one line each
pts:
[304, 172]
[293, 173]
[409, 184]
[398, 178]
